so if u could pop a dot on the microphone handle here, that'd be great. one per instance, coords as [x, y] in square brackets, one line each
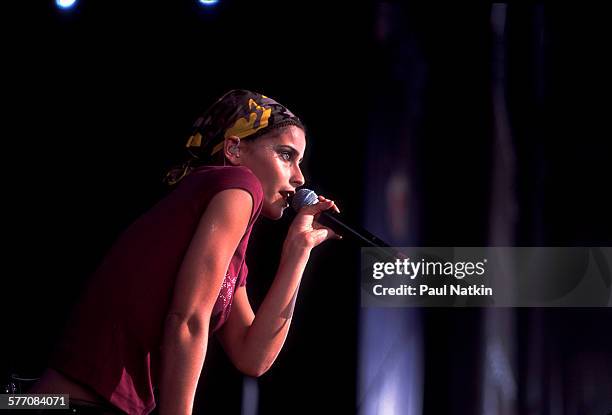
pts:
[361, 235]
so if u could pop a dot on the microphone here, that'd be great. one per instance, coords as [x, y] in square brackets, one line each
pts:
[306, 197]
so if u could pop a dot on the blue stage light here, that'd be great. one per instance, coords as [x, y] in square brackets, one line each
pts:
[208, 2]
[65, 4]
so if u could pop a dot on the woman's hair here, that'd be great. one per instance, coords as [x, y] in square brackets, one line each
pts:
[241, 113]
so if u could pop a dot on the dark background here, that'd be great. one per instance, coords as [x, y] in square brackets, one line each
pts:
[99, 101]
[107, 95]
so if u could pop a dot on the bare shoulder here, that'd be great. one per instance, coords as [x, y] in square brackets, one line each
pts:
[214, 242]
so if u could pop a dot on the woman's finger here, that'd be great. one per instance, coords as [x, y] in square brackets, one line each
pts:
[317, 207]
[323, 233]
[334, 206]
[332, 235]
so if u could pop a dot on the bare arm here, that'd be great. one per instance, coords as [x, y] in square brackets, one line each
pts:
[254, 341]
[196, 289]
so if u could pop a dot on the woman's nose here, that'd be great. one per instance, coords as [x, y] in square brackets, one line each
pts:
[297, 178]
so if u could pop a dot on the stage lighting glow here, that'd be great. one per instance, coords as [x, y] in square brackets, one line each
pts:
[64, 4]
[208, 2]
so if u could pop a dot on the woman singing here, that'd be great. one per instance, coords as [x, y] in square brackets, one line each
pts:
[177, 275]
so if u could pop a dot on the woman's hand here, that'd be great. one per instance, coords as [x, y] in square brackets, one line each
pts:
[305, 231]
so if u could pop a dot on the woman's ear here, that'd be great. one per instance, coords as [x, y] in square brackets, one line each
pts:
[231, 150]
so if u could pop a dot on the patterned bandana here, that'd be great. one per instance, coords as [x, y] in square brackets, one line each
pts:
[239, 113]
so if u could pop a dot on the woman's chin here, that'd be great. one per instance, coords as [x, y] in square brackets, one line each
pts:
[273, 213]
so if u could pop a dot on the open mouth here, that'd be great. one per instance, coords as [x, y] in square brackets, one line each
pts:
[286, 196]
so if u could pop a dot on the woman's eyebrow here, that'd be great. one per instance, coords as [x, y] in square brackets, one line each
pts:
[291, 149]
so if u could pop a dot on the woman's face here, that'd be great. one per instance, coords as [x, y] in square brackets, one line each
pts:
[275, 159]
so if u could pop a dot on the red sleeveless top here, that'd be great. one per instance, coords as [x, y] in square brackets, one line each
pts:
[112, 341]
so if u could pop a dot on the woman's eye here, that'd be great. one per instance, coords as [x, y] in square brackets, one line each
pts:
[285, 155]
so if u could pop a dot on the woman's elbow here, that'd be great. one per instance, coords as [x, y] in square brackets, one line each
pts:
[255, 370]
[254, 373]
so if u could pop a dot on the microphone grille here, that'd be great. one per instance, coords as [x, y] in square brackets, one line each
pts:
[303, 197]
